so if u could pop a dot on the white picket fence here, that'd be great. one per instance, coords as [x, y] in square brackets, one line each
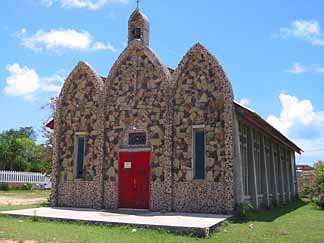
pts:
[25, 177]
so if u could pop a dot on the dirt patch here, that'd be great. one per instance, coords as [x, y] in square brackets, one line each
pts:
[4, 200]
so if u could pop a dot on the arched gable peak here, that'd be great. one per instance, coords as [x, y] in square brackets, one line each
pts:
[138, 95]
[79, 110]
[80, 69]
[199, 49]
[203, 97]
[152, 56]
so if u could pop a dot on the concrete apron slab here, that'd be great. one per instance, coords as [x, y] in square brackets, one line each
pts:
[190, 223]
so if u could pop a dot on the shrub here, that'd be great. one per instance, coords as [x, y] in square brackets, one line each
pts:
[4, 186]
[242, 211]
[307, 180]
[318, 189]
[27, 187]
[319, 201]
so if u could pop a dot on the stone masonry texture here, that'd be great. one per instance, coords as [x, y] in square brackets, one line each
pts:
[141, 94]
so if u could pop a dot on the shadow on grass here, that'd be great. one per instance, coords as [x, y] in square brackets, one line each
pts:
[269, 215]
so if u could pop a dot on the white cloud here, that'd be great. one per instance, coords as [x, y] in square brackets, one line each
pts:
[244, 101]
[308, 30]
[319, 69]
[102, 46]
[299, 121]
[61, 39]
[22, 81]
[294, 112]
[26, 82]
[88, 4]
[93, 5]
[47, 3]
[54, 82]
[297, 68]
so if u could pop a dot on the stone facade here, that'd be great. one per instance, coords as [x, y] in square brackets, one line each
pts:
[203, 97]
[137, 93]
[140, 94]
[79, 111]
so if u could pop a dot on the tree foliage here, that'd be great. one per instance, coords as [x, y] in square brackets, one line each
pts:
[318, 187]
[19, 151]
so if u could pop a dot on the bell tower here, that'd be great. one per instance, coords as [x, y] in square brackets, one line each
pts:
[138, 27]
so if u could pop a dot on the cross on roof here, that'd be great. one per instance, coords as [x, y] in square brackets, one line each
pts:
[137, 3]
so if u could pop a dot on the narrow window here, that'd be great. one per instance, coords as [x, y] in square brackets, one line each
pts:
[137, 33]
[199, 154]
[79, 155]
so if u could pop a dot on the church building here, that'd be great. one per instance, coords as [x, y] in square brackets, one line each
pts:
[150, 137]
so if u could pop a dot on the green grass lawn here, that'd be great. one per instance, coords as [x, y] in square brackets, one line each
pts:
[298, 222]
[26, 194]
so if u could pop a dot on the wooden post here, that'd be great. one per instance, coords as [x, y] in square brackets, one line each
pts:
[237, 165]
[275, 174]
[288, 175]
[295, 175]
[254, 186]
[265, 168]
[282, 159]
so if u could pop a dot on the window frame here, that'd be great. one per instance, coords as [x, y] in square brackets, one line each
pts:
[198, 128]
[76, 151]
[136, 133]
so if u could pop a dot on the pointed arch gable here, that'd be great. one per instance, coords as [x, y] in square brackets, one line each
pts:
[81, 68]
[200, 49]
[137, 94]
[203, 98]
[153, 57]
[153, 87]
[79, 111]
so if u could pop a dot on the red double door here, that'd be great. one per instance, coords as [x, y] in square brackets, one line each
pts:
[134, 179]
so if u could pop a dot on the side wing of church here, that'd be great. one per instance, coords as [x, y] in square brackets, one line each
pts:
[149, 137]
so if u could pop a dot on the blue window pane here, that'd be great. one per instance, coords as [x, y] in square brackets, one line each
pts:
[199, 155]
[80, 157]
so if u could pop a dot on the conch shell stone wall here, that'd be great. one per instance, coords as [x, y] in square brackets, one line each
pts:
[203, 97]
[141, 94]
[79, 111]
[138, 98]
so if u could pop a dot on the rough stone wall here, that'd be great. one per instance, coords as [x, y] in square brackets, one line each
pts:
[137, 95]
[203, 96]
[79, 109]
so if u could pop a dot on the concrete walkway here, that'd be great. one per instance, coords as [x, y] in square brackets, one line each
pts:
[193, 223]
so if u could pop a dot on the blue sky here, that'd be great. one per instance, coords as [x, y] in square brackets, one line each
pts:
[272, 52]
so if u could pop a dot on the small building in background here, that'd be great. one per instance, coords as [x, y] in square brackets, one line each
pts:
[305, 178]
